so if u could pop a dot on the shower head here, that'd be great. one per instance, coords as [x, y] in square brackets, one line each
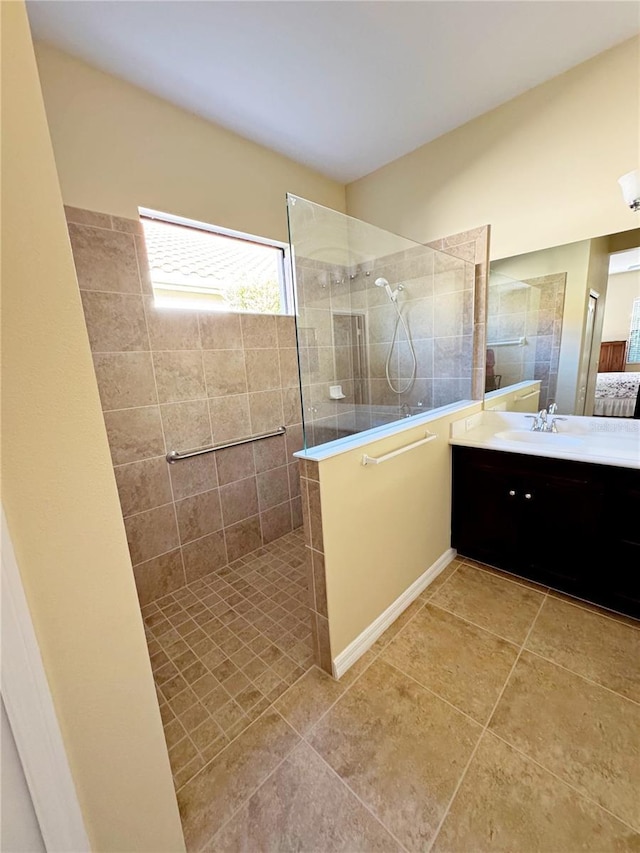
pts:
[392, 294]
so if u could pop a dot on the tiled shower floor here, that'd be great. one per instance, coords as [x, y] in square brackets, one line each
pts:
[225, 647]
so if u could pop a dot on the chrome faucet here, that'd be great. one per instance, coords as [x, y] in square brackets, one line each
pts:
[553, 427]
[541, 421]
[535, 422]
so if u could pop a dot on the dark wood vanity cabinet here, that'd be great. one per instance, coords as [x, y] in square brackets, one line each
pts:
[573, 526]
[622, 561]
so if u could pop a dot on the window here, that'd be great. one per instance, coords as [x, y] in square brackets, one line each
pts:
[633, 350]
[194, 265]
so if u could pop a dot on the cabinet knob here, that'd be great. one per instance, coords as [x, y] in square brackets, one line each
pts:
[527, 496]
[511, 493]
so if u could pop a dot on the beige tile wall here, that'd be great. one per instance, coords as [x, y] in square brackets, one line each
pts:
[322, 289]
[439, 304]
[178, 380]
[473, 246]
[316, 576]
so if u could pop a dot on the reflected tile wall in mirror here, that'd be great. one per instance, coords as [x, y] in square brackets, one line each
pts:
[524, 327]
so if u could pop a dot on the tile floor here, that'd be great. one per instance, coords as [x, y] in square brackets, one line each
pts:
[225, 647]
[494, 715]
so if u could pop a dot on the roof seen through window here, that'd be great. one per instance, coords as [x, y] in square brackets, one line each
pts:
[192, 267]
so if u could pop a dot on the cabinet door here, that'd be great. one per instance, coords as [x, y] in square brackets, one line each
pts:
[484, 507]
[560, 514]
[620, 576]
[529, 515]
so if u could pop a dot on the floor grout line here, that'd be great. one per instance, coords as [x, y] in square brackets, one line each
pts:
[511, 642]
[518, 580]
[484, 730]
[237, 736]
[254, 790]
[341, 696]
[436, 694]
[576, 790]
[555, 594]
[417, 600]
[368, 808]
[583, 677]
[595, 609]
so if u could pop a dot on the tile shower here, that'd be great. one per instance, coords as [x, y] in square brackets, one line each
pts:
[177, 380]
[215, 540]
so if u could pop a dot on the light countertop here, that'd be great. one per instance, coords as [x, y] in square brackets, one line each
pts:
[604, 441]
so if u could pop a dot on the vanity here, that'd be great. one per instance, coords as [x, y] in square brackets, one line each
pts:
[561, 508]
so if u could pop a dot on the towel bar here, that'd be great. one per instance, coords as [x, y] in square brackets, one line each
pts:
[373, 460]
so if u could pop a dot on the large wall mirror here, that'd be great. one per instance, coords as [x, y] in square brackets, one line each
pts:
[558, 328]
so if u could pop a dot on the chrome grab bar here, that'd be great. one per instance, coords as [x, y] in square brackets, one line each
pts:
[175, 456]
[373, 460]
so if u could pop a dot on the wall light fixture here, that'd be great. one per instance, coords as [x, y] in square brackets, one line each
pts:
[630, 184]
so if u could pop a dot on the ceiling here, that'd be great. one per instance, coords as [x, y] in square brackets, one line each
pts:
[342, 86]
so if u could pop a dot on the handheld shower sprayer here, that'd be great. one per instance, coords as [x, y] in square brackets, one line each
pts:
[393, 297]
[382, 282]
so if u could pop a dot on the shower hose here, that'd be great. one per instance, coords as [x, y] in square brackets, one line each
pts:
[411, 380]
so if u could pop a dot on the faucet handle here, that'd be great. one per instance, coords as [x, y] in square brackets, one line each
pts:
[536, 424]
[553, 408]
[554, 427]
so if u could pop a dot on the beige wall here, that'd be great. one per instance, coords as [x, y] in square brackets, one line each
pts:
[118, 147]
[383, 525]
[541, 169]
[60, 496]
[622, 290]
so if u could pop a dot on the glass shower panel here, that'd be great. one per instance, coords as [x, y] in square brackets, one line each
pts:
[384, 325]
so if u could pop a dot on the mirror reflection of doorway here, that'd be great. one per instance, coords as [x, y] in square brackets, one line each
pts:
[588, 354]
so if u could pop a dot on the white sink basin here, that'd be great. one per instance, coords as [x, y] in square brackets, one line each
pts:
[548, 439]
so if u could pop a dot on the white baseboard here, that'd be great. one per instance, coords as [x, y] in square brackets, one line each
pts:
[367, 638]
